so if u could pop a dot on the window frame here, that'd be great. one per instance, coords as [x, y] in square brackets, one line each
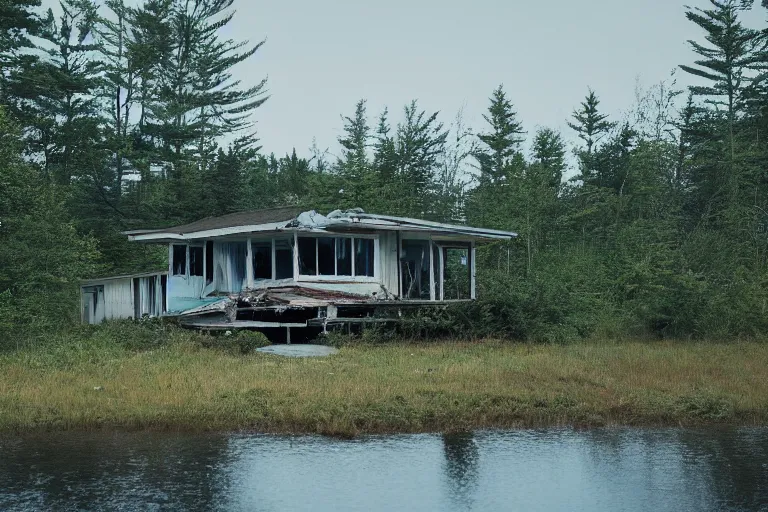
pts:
[187, 261]
[253, 282]
[437, 274]
[337, 278]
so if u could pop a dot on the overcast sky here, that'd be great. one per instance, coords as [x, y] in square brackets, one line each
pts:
[321, 57]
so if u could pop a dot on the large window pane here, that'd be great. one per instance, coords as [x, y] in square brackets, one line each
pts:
[307, 256]
[283, 259]
[326, 256]
[230, 266]
[343, 256]
[364, 257]
[196, 261]
[180, 260]
[262, 260]
[457, 272]
[415, 269]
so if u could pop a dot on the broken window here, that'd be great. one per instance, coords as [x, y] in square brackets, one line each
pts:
[326, 256]
[179, 260]
[364, 257]
[343, 256]
[208, 262]
[283, 259]
[415, 269]
[196, 261]
[457, 270]
[262, 260]
[230, 270]
[308, 256]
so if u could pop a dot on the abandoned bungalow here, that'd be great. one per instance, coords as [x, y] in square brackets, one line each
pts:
[285, 268]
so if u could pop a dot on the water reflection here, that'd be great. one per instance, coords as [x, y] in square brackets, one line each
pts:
[736, 465]
[597, 470]
[461, 467]
[108, 472]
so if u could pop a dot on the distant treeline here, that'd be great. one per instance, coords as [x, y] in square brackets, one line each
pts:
[115, 117]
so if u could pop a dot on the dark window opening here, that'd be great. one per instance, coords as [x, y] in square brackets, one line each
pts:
[343, 256]
[164, 287]
[262, 260]
[326, 256]
[179, 260]
[307, 256]
[208, 262]
[196, 261]
[415, 269]
[364, 257]
[283, 260]
[457, 273]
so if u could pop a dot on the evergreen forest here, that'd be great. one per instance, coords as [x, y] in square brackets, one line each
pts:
[116, 117]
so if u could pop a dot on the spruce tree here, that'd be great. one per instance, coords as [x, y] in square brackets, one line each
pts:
[726, 62]
[353, 166]
[502, 142]
[419, 145]
[589, 123]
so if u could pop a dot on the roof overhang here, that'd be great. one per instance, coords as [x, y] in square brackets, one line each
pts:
[350, 221]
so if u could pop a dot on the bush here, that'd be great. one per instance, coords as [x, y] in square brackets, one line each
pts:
[248, 341]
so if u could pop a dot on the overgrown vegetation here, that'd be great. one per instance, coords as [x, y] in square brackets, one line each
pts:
[113, 117]
[153, 376]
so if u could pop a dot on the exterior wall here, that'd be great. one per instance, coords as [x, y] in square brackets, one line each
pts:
[148, 292]
[118, 300]
[182, 286]
[121, 298]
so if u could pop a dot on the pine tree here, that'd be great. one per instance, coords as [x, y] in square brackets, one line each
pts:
[198, 100]
[119, 88]
[549, 158]
[353, 166]
[384, 168]
[726, 62]
[419, 145]
[590, 125]
[18, 22]
[58, 104]
[502, 142]
[722, 171]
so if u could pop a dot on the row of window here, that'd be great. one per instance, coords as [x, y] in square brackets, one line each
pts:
[336, 257]
[273, 259]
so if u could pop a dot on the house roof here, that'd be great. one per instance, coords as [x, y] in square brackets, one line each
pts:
[296, 219]
[233, 220]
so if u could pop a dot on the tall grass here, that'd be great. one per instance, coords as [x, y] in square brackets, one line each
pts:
[97, 380]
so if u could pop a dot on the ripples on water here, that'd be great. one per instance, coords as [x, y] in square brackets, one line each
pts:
[596, 470]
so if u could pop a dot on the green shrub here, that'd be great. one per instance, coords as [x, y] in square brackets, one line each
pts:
[248, 341]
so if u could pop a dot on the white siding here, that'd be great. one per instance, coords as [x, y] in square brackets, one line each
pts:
[118, 299]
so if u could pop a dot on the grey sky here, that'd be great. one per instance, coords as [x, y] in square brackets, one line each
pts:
[321, 57]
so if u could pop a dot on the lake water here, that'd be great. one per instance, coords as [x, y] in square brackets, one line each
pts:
[548, 470]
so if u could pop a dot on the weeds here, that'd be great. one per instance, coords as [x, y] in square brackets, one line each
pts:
[184, 380]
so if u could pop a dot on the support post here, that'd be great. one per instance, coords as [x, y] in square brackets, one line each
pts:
[249, 265]
[473, 274]
[288, 335]
[431, 270]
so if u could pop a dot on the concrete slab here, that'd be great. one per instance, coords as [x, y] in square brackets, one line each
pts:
[299, 350]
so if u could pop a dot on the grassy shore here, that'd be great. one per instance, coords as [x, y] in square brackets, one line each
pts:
[448, 386]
